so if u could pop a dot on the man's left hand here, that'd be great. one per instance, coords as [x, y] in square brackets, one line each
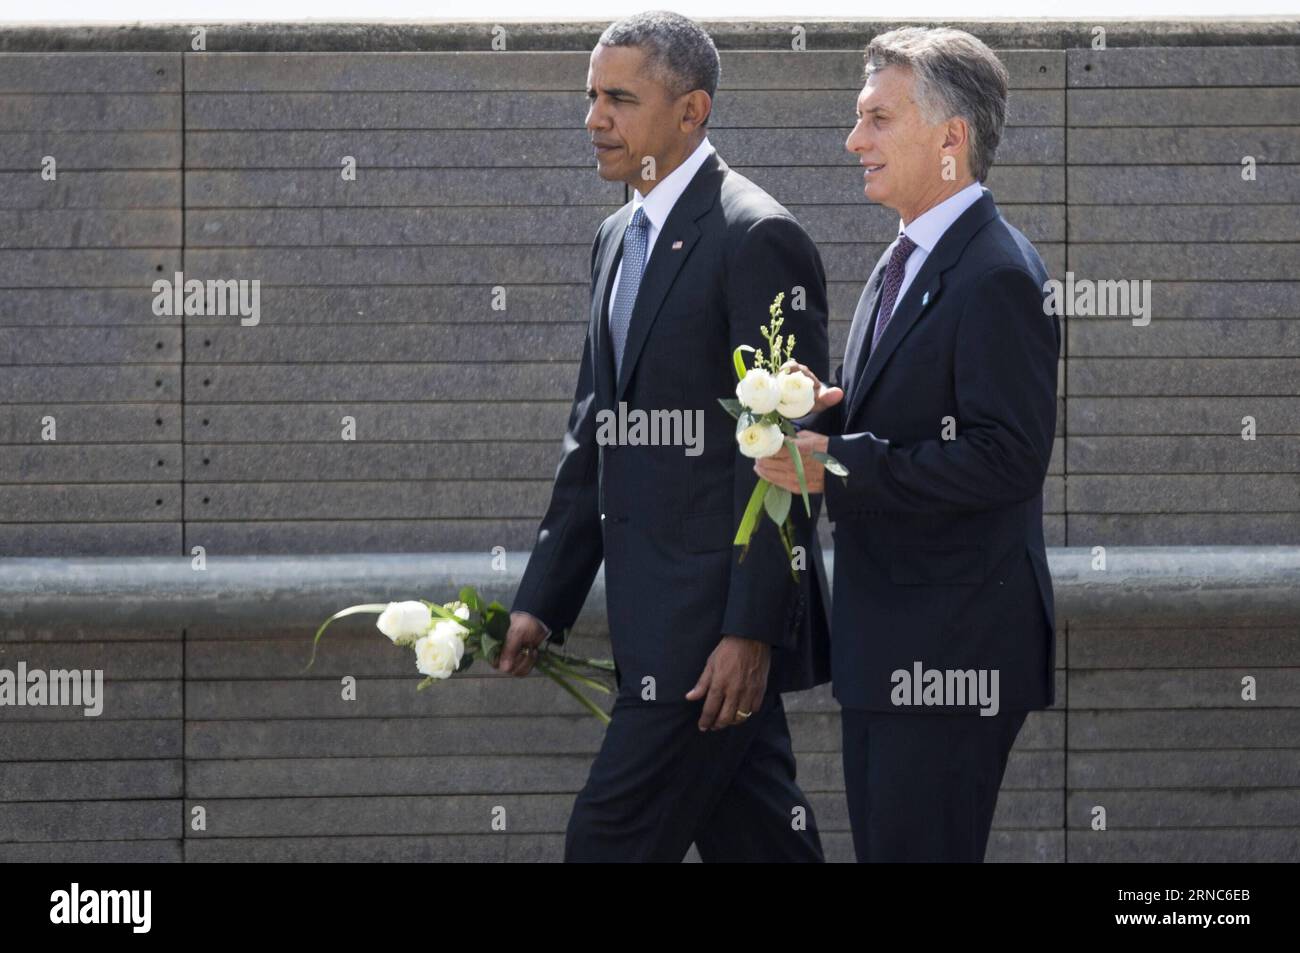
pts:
[733, 682]
[779, 468]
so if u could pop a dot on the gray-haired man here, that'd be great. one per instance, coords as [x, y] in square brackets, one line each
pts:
[944, 412]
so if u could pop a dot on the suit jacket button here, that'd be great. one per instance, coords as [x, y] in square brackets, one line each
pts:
[602, 515]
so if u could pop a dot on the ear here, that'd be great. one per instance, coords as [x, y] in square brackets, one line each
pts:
[696, 107]
[956, 135]
[956, 143]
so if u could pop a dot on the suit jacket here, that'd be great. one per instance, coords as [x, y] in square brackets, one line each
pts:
[939, 551]
[662, 521]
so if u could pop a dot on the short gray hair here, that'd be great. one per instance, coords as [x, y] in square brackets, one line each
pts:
[678, 50]
[955, 75]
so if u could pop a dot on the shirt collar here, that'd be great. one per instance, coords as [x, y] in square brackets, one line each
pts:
[928, 227]
[664, 196]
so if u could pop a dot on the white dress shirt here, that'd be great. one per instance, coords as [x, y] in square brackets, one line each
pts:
[926, 230]
[658, 204]
[928, 227]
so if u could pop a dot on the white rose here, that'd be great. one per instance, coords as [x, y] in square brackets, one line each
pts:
[404, 622]
[458, 609]
[757, 390]
[439, 653]
[797, 397]
[449, 628]
[760, 440]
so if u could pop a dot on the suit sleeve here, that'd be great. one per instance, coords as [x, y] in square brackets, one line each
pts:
[1004, 378]
[570, 545]
[775, 255]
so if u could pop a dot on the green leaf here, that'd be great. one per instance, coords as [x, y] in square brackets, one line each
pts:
[490, 646]
[731, 406]
[738, 360]
[830, 463]
[777, 503]
[803, 481]
[496, 623]
[750, 520]
[469, 596]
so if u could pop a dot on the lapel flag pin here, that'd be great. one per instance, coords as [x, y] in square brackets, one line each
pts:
[677, 245]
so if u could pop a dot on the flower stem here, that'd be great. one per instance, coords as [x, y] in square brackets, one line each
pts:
[544, 665]
[789, 548]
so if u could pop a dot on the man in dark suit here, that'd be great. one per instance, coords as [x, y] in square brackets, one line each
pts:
[944, 413]
[698, 749]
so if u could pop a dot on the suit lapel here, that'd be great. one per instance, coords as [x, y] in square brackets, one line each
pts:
[607, 263]
[921, 294]
[924, 288]
[861, 323]
[671, 249]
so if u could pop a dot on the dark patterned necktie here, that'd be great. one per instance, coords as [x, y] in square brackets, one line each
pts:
[629, 283]
[893, 281]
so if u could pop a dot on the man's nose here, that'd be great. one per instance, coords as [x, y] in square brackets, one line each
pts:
[854, 142]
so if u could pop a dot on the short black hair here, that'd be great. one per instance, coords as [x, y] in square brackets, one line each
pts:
[678, 49]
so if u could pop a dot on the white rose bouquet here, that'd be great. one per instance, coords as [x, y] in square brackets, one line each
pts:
[448, 638]
[767, 399]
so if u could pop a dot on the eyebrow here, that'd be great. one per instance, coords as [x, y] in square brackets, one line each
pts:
[613, 91]
[875, 109]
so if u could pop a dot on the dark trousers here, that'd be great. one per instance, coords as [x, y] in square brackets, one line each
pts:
[923, 786]
[659, 783]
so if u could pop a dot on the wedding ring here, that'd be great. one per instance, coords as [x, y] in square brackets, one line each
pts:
[742, 715]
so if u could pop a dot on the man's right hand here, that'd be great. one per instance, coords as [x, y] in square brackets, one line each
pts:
[825, 396]
[524, 637]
